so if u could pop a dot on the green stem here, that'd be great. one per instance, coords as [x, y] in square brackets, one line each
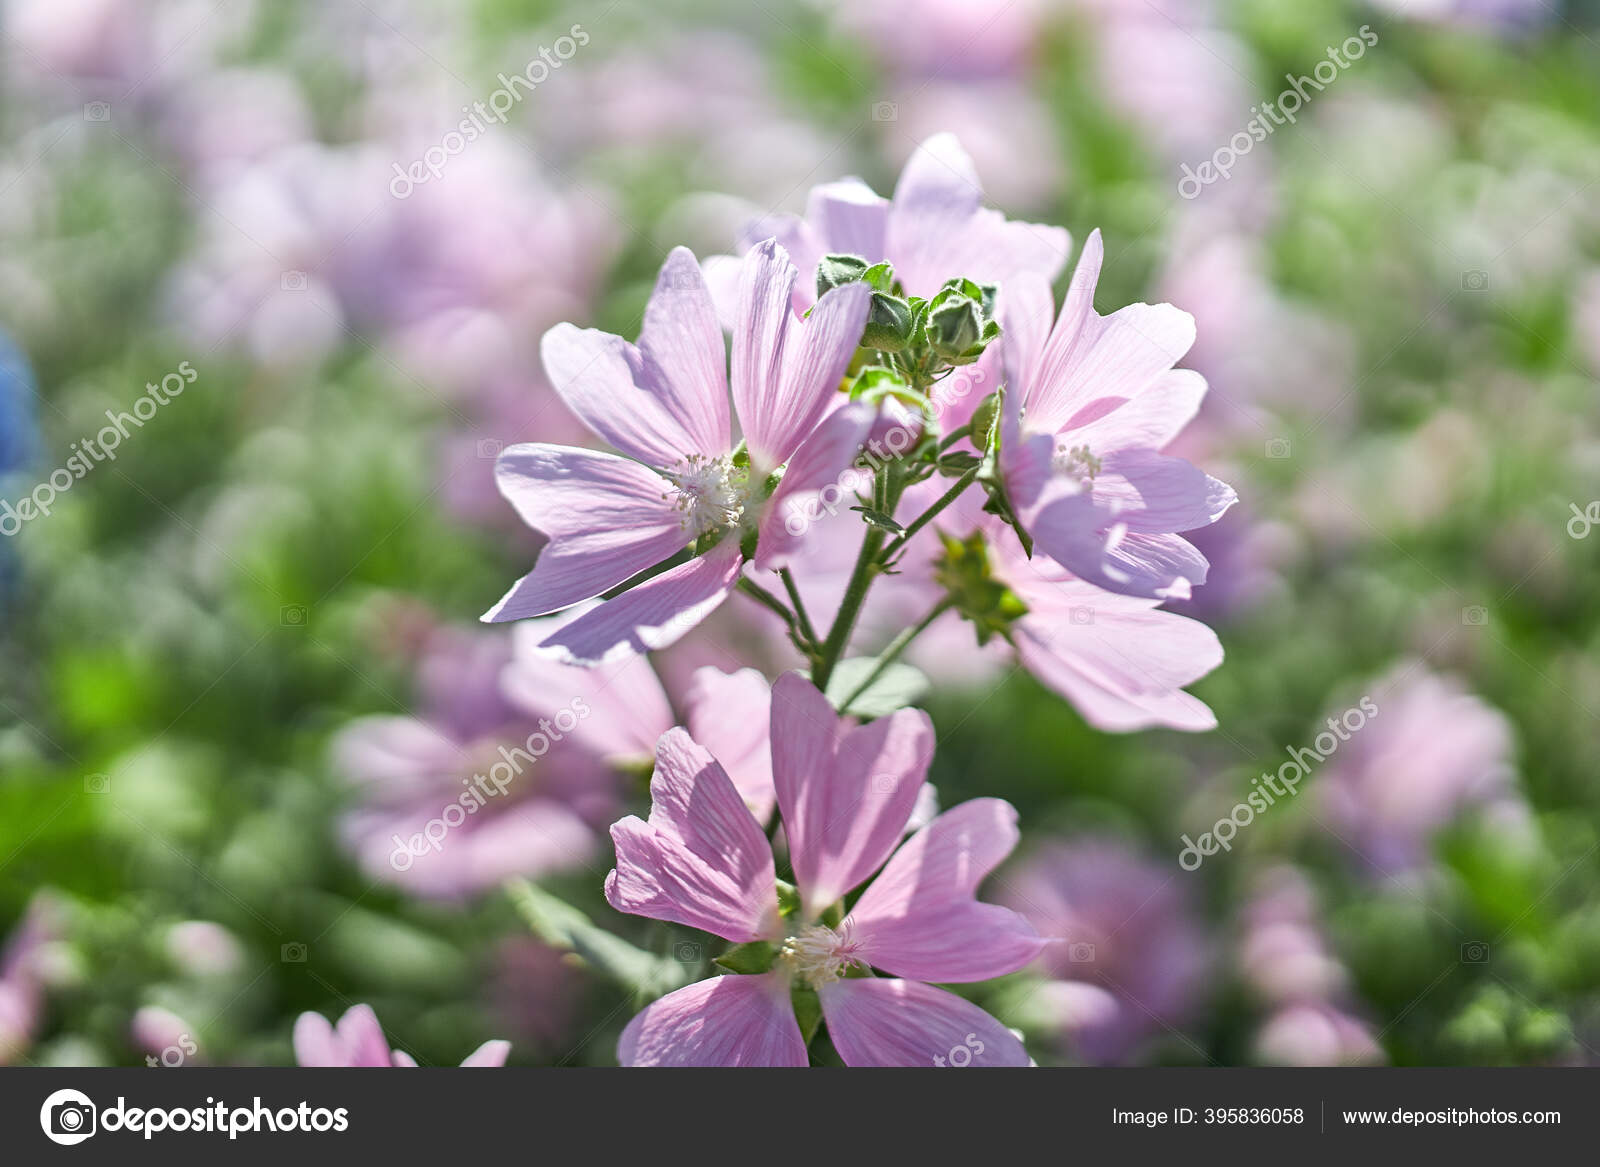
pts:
[954, 436]
[849, 608]
[896, 646]
[767, 600]
[928, 515]
[800, 614]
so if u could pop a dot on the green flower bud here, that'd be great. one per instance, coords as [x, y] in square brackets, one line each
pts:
[954, 327]
[889, 324]
[835, 270]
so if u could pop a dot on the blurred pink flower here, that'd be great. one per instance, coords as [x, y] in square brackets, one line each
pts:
[358, 1041]
[1433, 751]
[21, 981]
[845, 793]
[1132, 961]
[664, 404]
[498, 774]
[1092, 402]
[1285, 960]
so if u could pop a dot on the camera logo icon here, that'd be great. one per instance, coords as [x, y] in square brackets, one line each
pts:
[885, 111]
[293, 281]
[687, 952]
[1080, 952]
[97, 111]
[1474, 281]
[68, 1117]
[1278, 448]
[292, 953]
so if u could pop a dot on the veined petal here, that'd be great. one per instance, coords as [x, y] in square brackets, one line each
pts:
[1071, 529]
[879, 1022]
[685, 360]
[652, 615]
[849, 218]
[1152, 494]
[919, 918]
[731, 715]
[723, 1021]
[845, 793]
[700, 860]
[819, 464]
[607, 519]
[785, 370]
[1149, 420]
[607, 382]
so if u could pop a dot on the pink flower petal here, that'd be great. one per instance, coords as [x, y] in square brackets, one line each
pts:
[1149, 420]
[881, 1022]
[685, 360]
[1069, 528]
[938, 228]
[652, 615]
[845, 793]
[1152, 494]
[723, 1021]
[920, 919]
[786, 371]
[620, 705]
[356, 1041]
[817, 468]
[700, 860]
[608, 383]
[849, 218]
[731, 715]
[490, 1053]
[607, 519]
[1120, 660]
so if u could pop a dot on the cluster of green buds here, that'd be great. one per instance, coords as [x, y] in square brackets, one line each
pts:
[964, 573]
[921, 337]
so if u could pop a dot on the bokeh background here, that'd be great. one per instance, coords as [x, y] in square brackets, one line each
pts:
[1398, 298]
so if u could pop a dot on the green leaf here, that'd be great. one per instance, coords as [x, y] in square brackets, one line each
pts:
[564, 927]
[899, 686]
[879, 519]
[807, 1011]
[754, 957]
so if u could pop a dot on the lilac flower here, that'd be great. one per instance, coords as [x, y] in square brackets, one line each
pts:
[1132, 960]
[1285, 960]
[1434, 751]
[935, 228]
[1091, 404]
[508, 768]
[680, 482]
[845, 793]
[358, 1041]
[21, 982]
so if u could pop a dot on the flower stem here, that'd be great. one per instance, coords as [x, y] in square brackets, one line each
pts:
[855, 593]
[800, 614]
[928, 515]
[806, 644]
[896, 646]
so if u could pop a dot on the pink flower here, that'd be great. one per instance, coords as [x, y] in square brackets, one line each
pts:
[845, 793]
[358, 1041]
[934, 229]
[1434, 751]
[1132, 962]
[21, 983]
[508, 768]
[1120, 660]
[679, 481]
[1092, 403]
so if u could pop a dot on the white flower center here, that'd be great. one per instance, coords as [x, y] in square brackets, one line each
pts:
[818, 955]
[1076, 462]
[712, 493]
